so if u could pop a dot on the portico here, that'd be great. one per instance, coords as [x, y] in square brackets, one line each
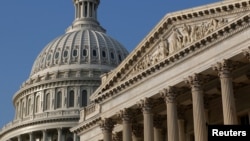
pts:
[199, 79]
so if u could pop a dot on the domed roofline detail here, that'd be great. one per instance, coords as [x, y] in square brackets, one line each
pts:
[86, 16]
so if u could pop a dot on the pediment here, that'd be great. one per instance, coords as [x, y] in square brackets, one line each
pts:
[174, 33]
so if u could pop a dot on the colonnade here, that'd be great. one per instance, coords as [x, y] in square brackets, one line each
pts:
[175, 124]
[58, 134]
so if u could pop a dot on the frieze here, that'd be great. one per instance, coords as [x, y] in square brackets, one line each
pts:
[179, 38]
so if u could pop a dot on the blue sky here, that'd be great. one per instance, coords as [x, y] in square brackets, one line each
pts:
[27, 26]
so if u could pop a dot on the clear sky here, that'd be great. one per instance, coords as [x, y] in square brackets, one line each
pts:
[27, 26]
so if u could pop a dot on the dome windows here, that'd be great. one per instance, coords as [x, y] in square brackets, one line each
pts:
[85, 52]
[49, 57]
[120, 58]
[71, 98]
[94, 53]
[57, 55]
[65, 53]
[59, 99]
[84, 98]
[75, 53]
[103, 54]
[112, 55]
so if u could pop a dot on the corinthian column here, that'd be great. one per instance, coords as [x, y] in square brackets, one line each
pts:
[228, 103]
[44, 135]
[126, 116]
[59, 134]
[107, 126]
[200, 132]
[146, 106]
[31, 136]
[181, 122]
[170, 98]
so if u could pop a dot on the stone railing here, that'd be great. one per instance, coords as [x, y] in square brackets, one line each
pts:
[89, 111]
[39, 116]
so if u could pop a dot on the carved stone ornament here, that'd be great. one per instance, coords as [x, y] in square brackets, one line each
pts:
[194, 81]
[178, 39]
[146, 104]
[169, 94]
[125, 114]
[107, 124]
[223, 68]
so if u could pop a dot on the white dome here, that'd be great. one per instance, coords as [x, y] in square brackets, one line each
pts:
[81, 49]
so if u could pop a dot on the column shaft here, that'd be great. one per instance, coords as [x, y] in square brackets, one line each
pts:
[228, 103]
[158, 134]
[19, 138]
[127, 131]
[75, 137]
[146, 106]
[181, 130]
[59, 134]
[200, 130]
[44, 135]
[170, 97]
[31, 137]
[126, 116]
[107, 126]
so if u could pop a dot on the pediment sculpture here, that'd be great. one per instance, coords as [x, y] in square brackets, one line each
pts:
[178, 39]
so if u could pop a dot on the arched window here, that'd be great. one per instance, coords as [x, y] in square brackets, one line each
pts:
[23, 109]
[17, 110]
[28, 107]
[84, 98]
[47, 101]
[59, 99]
[71, 98]
[37, 107]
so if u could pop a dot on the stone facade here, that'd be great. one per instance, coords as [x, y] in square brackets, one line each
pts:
[192, 69]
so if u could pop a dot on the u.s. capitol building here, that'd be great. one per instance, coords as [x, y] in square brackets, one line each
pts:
[191, 70]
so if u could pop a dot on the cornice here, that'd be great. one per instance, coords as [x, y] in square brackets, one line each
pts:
[86, 125]
[220, 34]
[37, 122]
[165, 24]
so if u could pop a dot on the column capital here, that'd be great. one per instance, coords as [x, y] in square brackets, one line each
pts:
[125, 114]
[146, 104]
[223, 68]
[194, 81]
[107, 124]
[169, 94]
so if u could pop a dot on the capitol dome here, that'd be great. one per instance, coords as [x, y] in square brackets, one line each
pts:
[64, 75]
[82, 49]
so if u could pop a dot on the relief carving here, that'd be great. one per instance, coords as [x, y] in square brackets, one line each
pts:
[179, 38]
